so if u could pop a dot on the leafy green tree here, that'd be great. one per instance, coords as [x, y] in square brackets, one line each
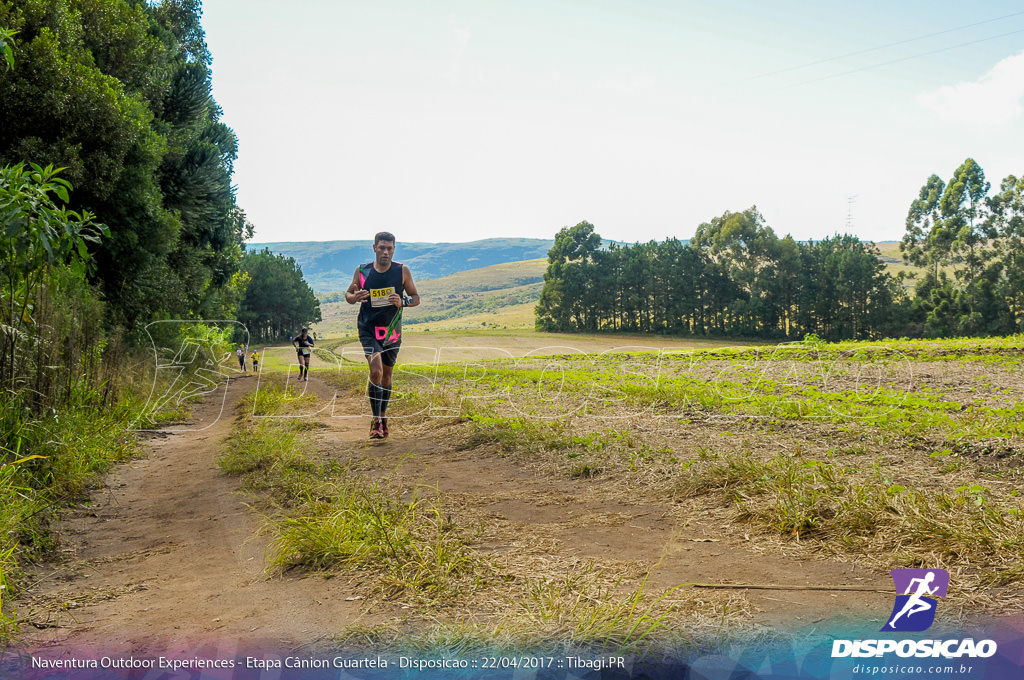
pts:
[785, 286]
[926, 241]
[118, 92]
[676, 277]
[957, 227]
[566, 300]
[963, 207]
[36, 235]
[1007, 215]
[7, 46]
[846, 294]
[277, 300]
[747, 250]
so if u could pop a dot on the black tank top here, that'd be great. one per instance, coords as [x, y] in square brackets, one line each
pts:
[377, 313]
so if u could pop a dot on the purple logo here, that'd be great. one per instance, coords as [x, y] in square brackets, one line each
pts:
[914, 610]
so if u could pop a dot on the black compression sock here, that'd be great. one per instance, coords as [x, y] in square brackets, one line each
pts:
[385, 399]
[376, 393]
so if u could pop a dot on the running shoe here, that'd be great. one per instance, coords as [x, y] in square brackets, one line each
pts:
[376, 430]
[384, 427]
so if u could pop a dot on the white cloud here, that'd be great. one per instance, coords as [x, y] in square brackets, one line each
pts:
[993, 100]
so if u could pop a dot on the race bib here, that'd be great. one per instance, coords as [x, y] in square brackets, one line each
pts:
[379, 296]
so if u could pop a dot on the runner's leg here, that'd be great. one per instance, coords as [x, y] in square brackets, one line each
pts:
[376, 393]
[385, 383]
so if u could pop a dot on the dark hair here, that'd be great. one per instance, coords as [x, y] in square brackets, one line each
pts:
[304, 330]
[383, 236]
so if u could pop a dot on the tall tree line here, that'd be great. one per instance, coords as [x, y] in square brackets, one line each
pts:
[278, 302]
[969, 242]
[734, 278]
[118, 93]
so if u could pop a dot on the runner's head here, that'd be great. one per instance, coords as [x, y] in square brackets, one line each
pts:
[384, 247]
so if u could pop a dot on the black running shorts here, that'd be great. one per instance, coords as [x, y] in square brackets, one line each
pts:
[371, 345]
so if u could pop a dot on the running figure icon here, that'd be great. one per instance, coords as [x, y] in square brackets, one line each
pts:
[915, 586]
[915, 603]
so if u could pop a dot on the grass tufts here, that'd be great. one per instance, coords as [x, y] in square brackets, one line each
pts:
[410, 542]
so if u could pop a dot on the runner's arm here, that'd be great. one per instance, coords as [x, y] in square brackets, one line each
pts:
[355, 292]
[410, 287]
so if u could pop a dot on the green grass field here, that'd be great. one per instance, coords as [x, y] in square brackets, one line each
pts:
[885, 455]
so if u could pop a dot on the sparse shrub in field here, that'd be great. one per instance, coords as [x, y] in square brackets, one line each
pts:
[15, 507]
[267, 451]
[866, 511]
[271, 399]
[266, 448]
[48, 461]
[328, 518]
[411, 542]
[584, 471]
[725, 474]
[580, 612]
[583, 611]
[518, 433]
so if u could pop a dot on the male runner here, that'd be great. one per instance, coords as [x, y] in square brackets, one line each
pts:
[380, 287]
[303, 346]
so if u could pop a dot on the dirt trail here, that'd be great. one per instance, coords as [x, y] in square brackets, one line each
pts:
[168, 558]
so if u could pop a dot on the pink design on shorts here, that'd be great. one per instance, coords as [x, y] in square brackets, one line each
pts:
[382, 333]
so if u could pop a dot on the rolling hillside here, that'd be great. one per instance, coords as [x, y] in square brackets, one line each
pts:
[501, 295]
[328, 265]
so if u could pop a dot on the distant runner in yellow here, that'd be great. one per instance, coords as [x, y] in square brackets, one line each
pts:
[382, 288]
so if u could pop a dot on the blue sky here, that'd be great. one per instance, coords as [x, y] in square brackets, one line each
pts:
[453, 121]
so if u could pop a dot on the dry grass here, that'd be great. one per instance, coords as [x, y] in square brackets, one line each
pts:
[427, 552]
[928, 481]
[868, 490]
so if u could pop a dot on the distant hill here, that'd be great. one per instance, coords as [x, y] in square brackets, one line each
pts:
[328, 265]
[502, 295]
